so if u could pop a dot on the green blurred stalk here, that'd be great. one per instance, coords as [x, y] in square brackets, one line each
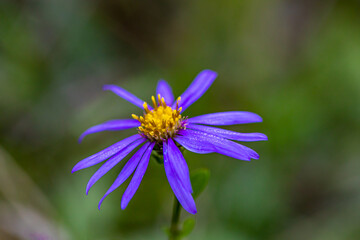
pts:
[174, 228]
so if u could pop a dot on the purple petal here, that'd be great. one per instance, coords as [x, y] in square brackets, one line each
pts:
[192, 144]
[109, 164]
[179, 165]
[112, 125]
[126, 95]
[106, 153]
[184, 197]
[138, 176]
[216, 144]
[127, 170]
[197, 88]
[226, 118]
[244, 137]
[164, 89]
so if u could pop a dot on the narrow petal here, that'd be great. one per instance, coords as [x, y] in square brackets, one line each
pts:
[109, 164]
[216, 144]
[127, 170]
[197, 88]
[226, 118]
[179, 165]
[164, 89]
[244, 137]
[125, 95]
[112, 125]
[193, 145]
[184, 197]
[106, 153]
[138, 176]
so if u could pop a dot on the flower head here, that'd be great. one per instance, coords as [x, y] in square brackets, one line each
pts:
[162, 122]
[165, 127]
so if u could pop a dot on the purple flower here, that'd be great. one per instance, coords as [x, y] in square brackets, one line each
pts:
[163, 128]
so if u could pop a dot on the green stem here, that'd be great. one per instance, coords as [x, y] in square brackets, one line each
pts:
[174, 228]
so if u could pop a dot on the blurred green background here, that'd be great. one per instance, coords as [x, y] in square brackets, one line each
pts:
[296, 63]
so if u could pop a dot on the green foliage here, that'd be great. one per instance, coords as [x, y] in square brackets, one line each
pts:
[199, 180]
[188, 227]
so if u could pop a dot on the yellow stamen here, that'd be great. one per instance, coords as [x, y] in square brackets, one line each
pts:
[159, 99]
[146, 107]
[177, 103]
[154, 102]
[135, 117]
[162, 122]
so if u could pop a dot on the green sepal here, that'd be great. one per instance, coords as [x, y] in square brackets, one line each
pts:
[159, 158]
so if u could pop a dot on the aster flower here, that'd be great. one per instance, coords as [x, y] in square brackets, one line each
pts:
[165, 129]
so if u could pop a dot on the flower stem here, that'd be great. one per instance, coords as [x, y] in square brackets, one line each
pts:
[174, 228]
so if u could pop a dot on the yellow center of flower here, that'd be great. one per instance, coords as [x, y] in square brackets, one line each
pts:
[162, 122]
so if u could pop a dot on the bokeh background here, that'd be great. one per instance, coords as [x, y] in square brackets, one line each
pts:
[294, 62]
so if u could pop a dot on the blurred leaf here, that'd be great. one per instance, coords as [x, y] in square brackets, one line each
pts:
[199, 180]
[25, 211]
[166, 230]
[188, 227]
